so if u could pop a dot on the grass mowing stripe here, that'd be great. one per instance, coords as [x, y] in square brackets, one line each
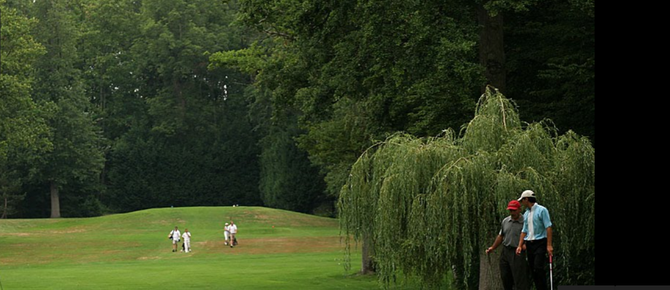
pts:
[270, 271]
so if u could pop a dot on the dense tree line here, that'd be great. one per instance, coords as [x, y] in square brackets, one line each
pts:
[118, 105]
[109, 106]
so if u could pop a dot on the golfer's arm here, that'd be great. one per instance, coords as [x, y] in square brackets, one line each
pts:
[497, 242]
[549, 236]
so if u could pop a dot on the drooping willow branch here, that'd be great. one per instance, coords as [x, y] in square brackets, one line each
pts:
[431, 205]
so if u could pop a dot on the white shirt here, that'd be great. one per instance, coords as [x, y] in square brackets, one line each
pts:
[175, 234]
[186, 236]
[531, 231]
[232, 228]
[227, 228]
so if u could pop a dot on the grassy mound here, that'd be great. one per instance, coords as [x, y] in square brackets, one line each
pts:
[277, 250]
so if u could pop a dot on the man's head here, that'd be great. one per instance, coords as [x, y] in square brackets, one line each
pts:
[527, 197]
[514, 208]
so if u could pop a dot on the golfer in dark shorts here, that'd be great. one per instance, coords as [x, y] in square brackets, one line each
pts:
[513, 268]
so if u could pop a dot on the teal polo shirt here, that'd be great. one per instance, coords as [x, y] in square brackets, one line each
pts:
[536, 220]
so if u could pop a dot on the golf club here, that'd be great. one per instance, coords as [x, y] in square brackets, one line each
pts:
[551, 272]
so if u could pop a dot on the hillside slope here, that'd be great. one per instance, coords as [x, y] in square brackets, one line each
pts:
[143, 235]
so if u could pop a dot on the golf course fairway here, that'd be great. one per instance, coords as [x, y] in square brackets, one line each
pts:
[277, 250]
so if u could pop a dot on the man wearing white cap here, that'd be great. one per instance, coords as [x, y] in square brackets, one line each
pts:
[537, 236]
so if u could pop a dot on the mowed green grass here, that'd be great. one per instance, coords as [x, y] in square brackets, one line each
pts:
[132, 251]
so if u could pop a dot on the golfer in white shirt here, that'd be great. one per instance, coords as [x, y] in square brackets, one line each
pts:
[187, 240]
[233, 230]
[175, 235]
[226, 233]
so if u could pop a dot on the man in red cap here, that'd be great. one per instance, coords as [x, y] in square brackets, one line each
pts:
[513, 268]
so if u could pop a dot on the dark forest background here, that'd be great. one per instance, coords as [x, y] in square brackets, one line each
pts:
[119, 105]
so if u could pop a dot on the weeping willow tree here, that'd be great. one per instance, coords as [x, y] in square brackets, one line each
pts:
[428, 207]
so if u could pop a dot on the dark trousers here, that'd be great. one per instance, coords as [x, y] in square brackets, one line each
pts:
[537, 261]
[514, 269]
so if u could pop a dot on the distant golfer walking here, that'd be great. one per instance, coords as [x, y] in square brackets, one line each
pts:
[187, 240]
[174, 235]
[513, 268]
[537, 236]
[233, 231]
[226, 234]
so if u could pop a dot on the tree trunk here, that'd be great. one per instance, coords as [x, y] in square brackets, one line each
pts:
[489, 271]
[4, 210]
[492, 48]
[55, 200]
[368, 265]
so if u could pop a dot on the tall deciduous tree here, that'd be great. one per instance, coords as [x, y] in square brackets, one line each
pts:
[390, 66]
[23, 131]
[76, 155]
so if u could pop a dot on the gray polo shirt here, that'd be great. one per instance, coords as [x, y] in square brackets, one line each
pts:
[511, 231]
